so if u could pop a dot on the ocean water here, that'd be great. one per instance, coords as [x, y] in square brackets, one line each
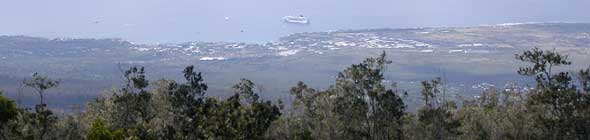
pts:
[168, 21]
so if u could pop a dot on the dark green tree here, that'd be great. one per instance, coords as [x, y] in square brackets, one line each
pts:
[563, 108]
[188, 107]
[8, 112]
[133, 107]
[543, 63]
[8, 109]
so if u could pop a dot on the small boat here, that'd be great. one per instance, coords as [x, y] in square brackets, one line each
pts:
[296, 19]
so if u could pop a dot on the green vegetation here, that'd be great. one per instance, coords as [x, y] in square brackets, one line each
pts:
[359, 105]
[99, 131]
[8, 110]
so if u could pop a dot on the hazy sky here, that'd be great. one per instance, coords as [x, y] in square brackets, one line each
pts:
[151, 21]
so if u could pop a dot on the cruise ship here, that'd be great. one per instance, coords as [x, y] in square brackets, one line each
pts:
[296, 19]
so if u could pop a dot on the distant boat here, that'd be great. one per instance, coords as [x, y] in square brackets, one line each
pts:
[296, 20]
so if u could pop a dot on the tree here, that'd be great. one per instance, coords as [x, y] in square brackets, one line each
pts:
[311, 116]
[8, 112]
[543, 63]
[41, 83]
[135, 106]
[187, 102]
[130, 108]
[43, 117]
[435, 119]
[497, 115]
[99, 131]
[358, 106]
[563, 109]
[244, 115]
[8, 109]
[70, 127]
[362, 99]
[245, 89]
[584, 78]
